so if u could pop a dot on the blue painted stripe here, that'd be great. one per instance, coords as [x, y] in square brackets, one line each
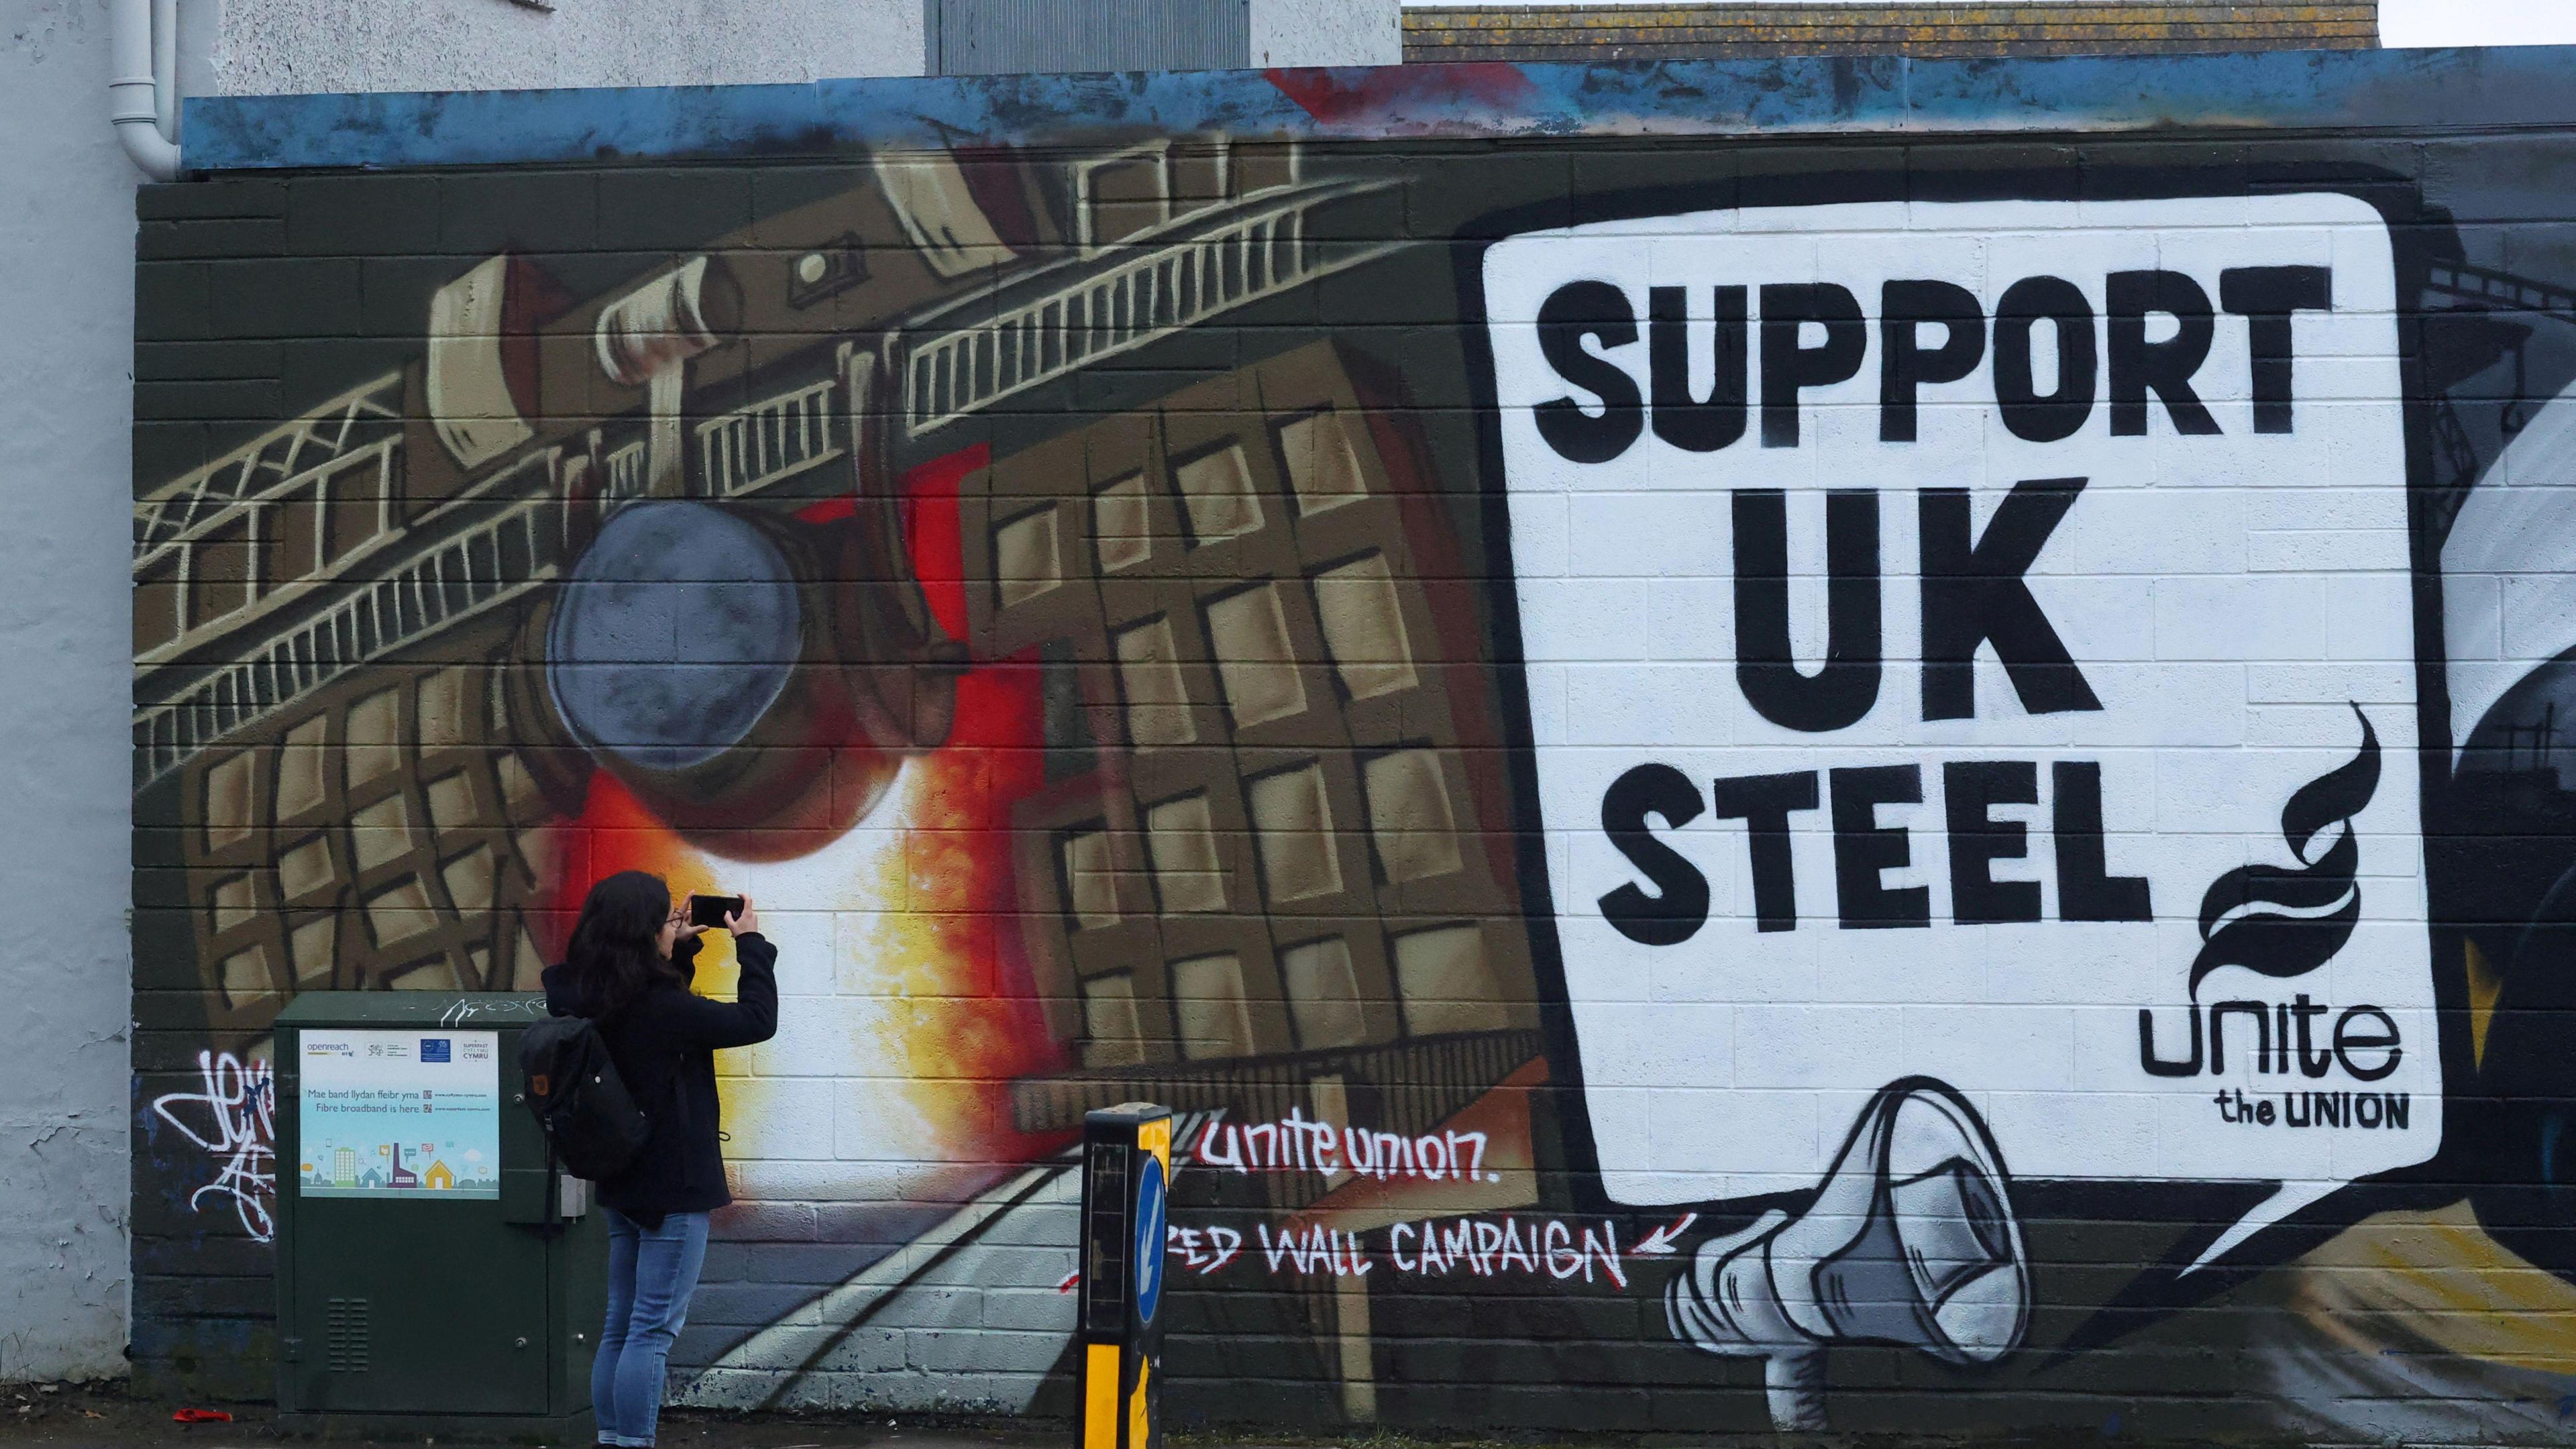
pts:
[2354, 89]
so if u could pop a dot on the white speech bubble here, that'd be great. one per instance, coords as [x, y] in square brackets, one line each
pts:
[2236, 602]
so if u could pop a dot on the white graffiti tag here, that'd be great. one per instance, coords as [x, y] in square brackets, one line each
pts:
[234, 1119]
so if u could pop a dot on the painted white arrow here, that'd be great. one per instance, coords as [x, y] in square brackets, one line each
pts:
[1661, 1240]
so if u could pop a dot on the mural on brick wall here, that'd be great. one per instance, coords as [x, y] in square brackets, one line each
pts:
[1730, 787]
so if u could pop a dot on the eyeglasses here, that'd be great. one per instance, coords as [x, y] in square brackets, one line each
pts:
[678, 918]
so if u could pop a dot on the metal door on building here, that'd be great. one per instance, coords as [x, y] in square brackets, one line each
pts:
[1005, 37]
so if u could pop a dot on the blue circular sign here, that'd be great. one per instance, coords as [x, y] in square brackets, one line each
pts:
[1149, 1240]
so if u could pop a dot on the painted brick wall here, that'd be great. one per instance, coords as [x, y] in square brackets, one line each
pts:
[1898, 784]
[1437, 34]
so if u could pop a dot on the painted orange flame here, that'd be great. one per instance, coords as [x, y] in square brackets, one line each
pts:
[907, 1002]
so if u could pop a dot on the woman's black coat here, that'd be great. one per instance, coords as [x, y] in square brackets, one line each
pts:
[664, 1046]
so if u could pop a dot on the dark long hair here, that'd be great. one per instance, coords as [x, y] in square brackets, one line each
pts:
[613, 958]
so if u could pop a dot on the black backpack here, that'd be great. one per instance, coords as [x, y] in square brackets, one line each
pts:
[591, 1121]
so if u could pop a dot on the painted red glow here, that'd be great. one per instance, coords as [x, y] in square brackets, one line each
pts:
[1390, 95]
[941, 904]
[933, 535]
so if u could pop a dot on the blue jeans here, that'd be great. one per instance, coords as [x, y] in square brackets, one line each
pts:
[650, 1278]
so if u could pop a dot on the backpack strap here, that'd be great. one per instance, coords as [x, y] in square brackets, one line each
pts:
[677, 1085]
[687, 1119]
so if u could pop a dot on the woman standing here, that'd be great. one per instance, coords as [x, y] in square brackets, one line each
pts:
[628, 969]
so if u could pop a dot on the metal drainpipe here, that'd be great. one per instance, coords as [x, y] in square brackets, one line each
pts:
[142, 92]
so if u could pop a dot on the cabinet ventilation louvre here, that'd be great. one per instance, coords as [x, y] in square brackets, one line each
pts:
[348, 1327]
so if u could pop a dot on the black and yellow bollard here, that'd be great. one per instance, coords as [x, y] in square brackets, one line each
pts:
[1126, 1175]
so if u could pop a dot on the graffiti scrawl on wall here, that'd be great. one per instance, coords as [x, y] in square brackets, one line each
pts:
[1730, 787]
[232, 1119]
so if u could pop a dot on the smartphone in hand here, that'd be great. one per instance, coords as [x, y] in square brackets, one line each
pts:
[713, 910]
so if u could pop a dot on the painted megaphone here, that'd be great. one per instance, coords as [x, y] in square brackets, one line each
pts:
[1911, 1240]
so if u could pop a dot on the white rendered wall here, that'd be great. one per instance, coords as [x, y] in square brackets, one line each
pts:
[275, 47]
[2476, 22]
[1326, 32]
[66, 403]
[267, 47]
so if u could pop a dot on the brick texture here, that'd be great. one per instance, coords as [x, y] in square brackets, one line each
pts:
[1732, 783]
[1437, 34]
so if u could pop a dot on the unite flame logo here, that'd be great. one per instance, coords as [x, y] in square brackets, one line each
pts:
[2284, 922]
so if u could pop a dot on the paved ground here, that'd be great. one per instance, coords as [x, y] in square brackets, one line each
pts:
[72, 1416]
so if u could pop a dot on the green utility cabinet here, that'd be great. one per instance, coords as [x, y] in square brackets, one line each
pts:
[433, 1275]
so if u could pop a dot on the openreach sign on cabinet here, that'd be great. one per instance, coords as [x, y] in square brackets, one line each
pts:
[400, 1114]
